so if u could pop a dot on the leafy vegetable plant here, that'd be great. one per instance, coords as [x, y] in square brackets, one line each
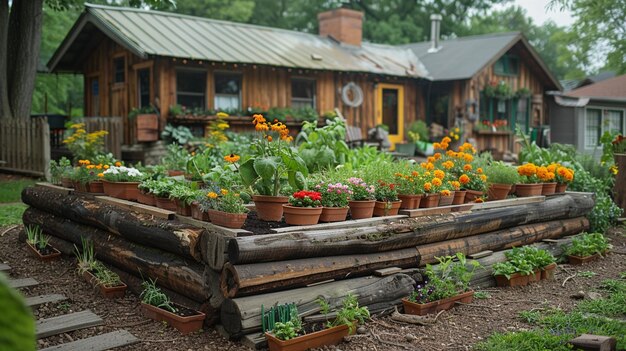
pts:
[445, 280]
[587, 245]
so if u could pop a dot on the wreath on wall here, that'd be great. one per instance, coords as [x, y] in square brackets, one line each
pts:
[352, 95]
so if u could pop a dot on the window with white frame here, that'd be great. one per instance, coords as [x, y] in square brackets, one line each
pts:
[600, 120]
[191, 88]
[302, 93]
[227, 91]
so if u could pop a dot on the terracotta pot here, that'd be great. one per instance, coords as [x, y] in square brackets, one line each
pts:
[96, 187]
[410, 202]
[430, 201]
[173, 173]
[578, 260]
[498, 191]
[78, 186]
[446, 200]
[166, 203]
[197, 213]
[472, 195]
[185, 325]
[548, 188]
[362, 209]
[560, 188]
[146, 198]
[422, 309]
[535, 277]
[459, 197]
[182, 208]
[66, 182]
[269, 208]
[386, 208]
[547, 272]
[121, 190]
[228, 220]
[334, 214]
[56, 253]
[330, 336]
[526, 190]
[516, 280]
[301, 215]
[112, 292]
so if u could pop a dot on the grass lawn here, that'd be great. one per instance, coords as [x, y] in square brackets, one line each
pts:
[11, 214]
[11, 190]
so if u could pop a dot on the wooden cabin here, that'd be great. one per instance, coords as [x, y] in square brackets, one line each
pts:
[134, 58]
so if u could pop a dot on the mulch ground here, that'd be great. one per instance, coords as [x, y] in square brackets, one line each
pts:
[457, 329]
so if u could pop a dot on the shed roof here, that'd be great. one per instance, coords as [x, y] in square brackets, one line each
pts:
[464, 57]
[612, 88]
[155, 33]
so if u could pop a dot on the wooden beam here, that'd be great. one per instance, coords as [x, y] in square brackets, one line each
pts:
[56, 188]
[22, 283]
[4, 267]
[508, 202]
[481, 254]
[214, 228]
[387, 271]
[100, 342]
[66, 323]
[137, 207]
[40, 300]
[365, 222]
[420, 212]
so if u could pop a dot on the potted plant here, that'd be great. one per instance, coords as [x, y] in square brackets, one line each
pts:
[95, 273]
[290, 335]
[145, 195]
[547, 179]
[512, 273]
[183, 196]
[501, 179]
[524, 265]
[586, 248]
[529, 185]
[335, 197]
[362, 200]
[161, 191]
[387, 203]
[228, 209]
[432, 193]
[200, 206]
[408, 148]
[121, 182]
[59, 171]
[474, 183]
[304, 208]
[273, 161]
[39, 244]
[156, 305]
[410, 189]
[443, 286]
[459, 195]
[175, 160]
[546, 263]
[562, 175]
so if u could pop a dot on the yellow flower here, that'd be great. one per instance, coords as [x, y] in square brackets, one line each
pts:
[483, 177]
[118, 164]
[224, 191]
[91, 166]
[613, 170]
[212, 195]
[468, 157]
[105, 166]
[222, 115]
[436, 182]
[232, 158]
[100, 175]
[479, 170]
[77, 125]
[222, 126]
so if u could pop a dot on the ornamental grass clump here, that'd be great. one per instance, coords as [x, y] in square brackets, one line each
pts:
[305, 198]
[500, 173]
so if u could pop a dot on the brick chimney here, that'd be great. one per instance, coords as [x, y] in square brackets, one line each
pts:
[344, 25]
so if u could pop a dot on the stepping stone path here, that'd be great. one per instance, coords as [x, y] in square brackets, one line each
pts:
[70, 322]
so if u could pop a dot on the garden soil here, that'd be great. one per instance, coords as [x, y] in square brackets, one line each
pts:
[457, 329]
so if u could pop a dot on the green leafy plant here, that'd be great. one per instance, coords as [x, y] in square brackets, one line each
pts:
[231, 202]
[385, 192]
[447, 279]
[538, 258]
[152, 295]
[60, 169]
[586, 274]
[530, 317]
[146, 110]
[176, 158]
[350, 313]
[86, 257]
[284, 331]
[43, 242]
[323, 147]
[500, 173]
[105, 276]
[33, 232]
[587, 245]
[16, 320]
[418, 131]
[361, 191]
[180, 135]
[183, 193]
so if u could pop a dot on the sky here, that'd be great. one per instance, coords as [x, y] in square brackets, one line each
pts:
[537, 10]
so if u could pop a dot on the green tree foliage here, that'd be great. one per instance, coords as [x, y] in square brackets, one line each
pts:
[600, 30]
[229, 10]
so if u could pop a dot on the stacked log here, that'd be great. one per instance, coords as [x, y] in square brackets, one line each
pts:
[231, 277]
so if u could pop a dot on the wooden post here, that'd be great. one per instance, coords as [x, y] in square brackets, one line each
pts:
[45, 148]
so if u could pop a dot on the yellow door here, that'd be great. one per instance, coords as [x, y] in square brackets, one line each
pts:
[390, 110]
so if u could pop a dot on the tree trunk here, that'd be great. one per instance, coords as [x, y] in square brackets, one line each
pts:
[403, 233]
[180, 275]
[248, 279]
[170, 236]
[5, 107]
[25, 21]
[243, 315]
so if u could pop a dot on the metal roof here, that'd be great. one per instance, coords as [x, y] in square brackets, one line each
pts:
[462, 58]
[154, 33]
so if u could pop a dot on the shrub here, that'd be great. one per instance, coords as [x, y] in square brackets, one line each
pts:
[500, 173]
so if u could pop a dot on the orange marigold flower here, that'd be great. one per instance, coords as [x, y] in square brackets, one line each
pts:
[445, 192]
[105, 166]
[437, 155]
[118, 164]
[446, 140]
[467, 167]
[439, 174]
[483, 177]
[479, 200]
[91, 166]
[448, 164]
[464, 179]
[232, 158]
[258, 119]
[431, 159]
[100, 175]
[468, 158]
[415, 173]
[436, 146]
[269, 138]
[427, 186]
[224, 191]
[212, 195]
[479, 170]
[261, 127]
[436, 182]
